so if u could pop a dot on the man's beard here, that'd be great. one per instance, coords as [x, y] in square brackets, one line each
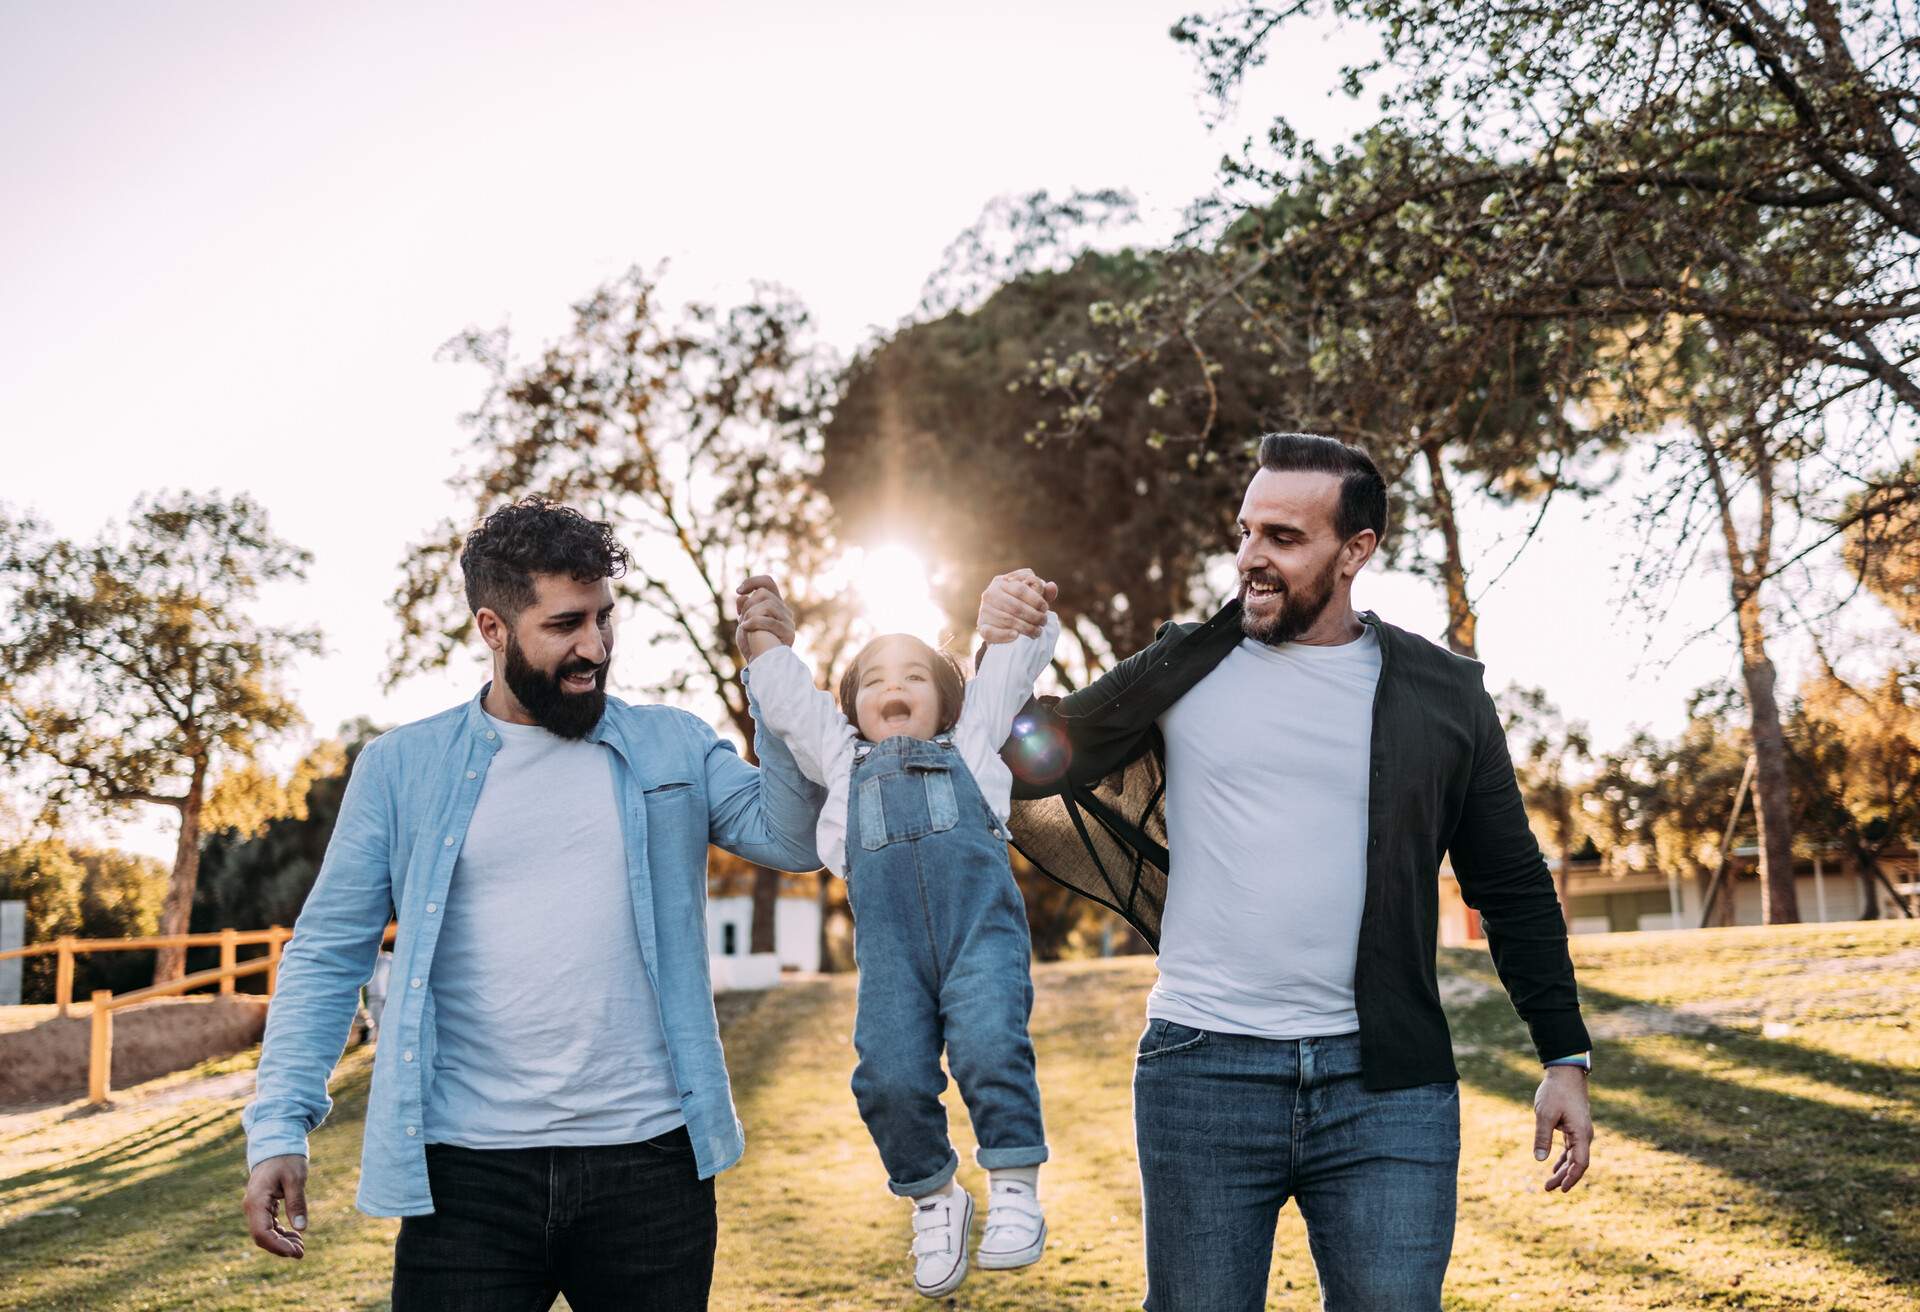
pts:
[562, 713]
[1298, 610]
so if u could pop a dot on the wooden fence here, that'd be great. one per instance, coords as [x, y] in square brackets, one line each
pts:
[105, 1003]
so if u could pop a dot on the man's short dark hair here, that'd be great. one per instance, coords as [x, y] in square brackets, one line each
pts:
[533, 536]
[1363, 493]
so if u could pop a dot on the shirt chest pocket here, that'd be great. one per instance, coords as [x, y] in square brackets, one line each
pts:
[668, 801]
[899, 805]
[671, 814]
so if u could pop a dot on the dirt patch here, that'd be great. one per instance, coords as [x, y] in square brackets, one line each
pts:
[1903, 962]
[1646, 1018]
[49, 1061]
[1462, 990]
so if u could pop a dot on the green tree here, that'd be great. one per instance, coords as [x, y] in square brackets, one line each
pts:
[1882, 525]
[1551, 757]
[931, 443]
[253, 878]
[132, 671]
[1349, 338]
[46, 876]
[1665, 806]
[1856, 752]
[694, 431]
[1608, 158]
[86, 893]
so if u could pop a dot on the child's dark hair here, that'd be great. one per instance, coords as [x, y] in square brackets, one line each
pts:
[949, 679]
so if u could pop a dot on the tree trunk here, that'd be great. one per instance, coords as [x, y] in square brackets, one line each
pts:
[1462, 623]
[1868, 869]
[177, 912]
[826, 918]
[766, 905]
[1722, 910]
[1772, 803]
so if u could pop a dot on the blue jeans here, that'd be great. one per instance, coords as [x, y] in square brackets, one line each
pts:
[626, 1226]
[940, 937]
[1229, 1127]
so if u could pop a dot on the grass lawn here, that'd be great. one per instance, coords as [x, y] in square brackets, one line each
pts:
[1758, 1096]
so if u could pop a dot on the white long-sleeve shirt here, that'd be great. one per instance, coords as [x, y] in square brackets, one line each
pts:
[812, 725]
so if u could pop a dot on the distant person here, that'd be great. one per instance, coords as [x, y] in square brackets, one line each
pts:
[549, 1101]
[1267, 797]
[915, 822]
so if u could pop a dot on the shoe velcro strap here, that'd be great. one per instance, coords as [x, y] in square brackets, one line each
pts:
[1015, 1204]
[925, 1245]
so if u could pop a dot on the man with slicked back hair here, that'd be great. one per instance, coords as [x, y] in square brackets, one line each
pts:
[1267, 797]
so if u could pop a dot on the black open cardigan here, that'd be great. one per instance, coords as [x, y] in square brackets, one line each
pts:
[1442, 784]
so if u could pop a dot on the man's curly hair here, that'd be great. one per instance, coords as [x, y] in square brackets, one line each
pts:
[534, 535]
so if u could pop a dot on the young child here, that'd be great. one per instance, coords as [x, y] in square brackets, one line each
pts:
[916, 822]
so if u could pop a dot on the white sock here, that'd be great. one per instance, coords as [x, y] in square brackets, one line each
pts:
[1027, 1175]
[944, 1191]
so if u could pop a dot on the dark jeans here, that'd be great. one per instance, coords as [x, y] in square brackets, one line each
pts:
[1229, 1127]
[627, 1226]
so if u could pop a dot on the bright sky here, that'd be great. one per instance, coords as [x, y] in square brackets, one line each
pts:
[236, 234]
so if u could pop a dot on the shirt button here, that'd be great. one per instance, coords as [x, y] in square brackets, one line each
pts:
[491, 735]
[412, 1130]
[473, 774]
[432, 907]
[407, 1055]
[447, 841]
[416, 983]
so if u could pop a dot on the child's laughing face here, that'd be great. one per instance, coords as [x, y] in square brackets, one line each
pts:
[897, 693]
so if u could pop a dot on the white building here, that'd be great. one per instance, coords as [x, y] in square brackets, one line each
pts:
[1827, 886]
[796, 926]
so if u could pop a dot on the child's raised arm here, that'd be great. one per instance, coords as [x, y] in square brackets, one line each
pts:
[807, 720]
[1004, 681]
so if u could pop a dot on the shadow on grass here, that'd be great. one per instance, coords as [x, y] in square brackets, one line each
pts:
[160, 1206]
[143, 1217]
[1827, 1168]
[760, 1029]
[121, 1153]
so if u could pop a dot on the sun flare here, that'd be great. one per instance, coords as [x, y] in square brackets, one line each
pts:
[895, 593]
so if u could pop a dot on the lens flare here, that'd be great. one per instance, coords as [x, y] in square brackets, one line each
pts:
[1038, 752]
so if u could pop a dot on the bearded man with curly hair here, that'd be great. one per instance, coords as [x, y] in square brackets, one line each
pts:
[550, 1102]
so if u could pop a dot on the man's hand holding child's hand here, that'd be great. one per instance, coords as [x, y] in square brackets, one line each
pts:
[1015, 604]
[765, 621]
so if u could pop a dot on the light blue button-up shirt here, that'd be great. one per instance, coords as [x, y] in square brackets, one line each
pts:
[679, 785]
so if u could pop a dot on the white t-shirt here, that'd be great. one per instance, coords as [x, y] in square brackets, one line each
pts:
[548, 1029]
[1267, 761]
[812, 725]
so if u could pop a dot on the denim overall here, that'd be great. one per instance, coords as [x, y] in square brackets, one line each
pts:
[940, 937]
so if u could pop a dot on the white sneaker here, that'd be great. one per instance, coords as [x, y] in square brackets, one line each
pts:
[1016, 1227]
[940, 1241]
